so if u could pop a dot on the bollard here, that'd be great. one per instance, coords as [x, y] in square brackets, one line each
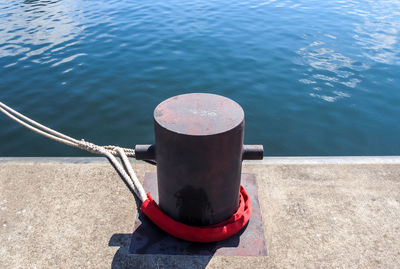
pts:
[199, 151]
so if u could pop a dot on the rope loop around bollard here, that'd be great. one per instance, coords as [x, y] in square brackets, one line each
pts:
[202, 234]
[149, 207]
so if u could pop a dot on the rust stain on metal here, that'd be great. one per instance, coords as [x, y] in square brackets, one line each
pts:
[198, 114]
[199, 151]
[199, 142]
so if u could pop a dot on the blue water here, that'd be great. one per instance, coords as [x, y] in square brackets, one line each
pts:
[314, 77]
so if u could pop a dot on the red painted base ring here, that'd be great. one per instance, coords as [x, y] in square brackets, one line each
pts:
[213, 233]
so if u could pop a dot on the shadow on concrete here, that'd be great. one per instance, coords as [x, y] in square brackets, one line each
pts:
[123, 259]
[144, 248]
[150, 247]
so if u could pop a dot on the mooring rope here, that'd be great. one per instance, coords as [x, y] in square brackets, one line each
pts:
[149, 207]
[109, 151]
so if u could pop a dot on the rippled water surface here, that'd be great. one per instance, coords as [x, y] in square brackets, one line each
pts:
[314, 77]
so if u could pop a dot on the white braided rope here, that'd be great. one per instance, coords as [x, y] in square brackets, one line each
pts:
[110, 152]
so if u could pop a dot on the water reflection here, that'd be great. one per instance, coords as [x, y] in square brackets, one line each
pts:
[328, 71]
[334, 67]
[31, 29]
[39, 2]
[378, 33]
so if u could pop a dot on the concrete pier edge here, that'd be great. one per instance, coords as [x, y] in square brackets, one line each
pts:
[264, 161]
[326, 212]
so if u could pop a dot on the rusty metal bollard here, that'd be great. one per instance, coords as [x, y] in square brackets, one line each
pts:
[199, 151]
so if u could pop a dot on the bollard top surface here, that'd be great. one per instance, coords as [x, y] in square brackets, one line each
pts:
[199, 114]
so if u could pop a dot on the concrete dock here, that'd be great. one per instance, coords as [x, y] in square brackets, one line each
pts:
[329, 212]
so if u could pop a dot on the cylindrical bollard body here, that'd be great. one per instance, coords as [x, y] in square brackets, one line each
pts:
[199, 146]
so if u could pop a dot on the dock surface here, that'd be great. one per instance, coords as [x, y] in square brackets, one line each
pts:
[317, 212]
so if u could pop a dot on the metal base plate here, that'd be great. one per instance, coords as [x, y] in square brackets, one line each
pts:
[250, 241]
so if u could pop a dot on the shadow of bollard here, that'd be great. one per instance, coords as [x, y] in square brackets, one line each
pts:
[124, 259]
